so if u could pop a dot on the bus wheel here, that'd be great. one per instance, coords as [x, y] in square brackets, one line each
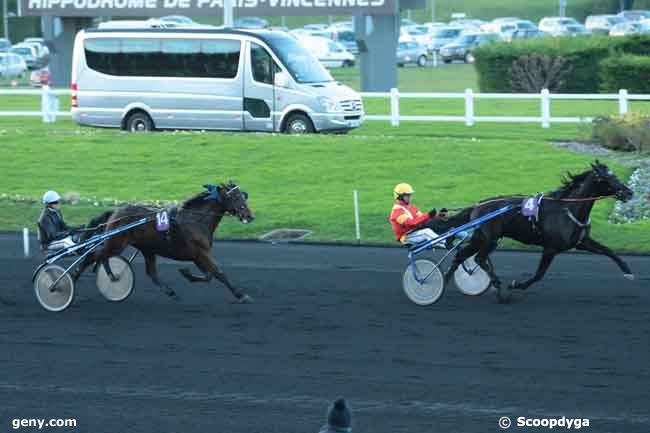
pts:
[299, 124]
[139, 122]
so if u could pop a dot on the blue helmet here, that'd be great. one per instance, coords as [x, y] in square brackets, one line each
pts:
[51, 197]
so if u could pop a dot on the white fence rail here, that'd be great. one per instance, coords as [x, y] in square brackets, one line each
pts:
[469, 117]
[49, 105]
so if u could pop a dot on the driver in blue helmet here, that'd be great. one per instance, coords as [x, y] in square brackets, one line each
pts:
[54, 233]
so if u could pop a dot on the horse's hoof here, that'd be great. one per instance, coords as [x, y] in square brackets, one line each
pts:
[629, 277]
[244, 299]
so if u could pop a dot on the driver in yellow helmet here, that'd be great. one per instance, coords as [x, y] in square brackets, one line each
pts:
[407, 220]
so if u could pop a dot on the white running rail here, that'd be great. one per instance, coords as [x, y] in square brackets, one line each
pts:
[49, 105]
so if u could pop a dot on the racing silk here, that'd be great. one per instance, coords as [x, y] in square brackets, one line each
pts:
[405, 218]
[52, 226]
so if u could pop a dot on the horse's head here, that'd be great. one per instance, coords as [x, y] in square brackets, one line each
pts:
[608, 182]
[235, 202]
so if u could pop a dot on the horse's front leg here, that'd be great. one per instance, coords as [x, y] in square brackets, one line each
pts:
[206, 264]
[547, 259]
[588, 244]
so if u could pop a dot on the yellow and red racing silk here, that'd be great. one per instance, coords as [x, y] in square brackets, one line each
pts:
[404, 218]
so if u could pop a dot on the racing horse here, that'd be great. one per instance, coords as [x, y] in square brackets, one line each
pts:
[189, 236]
[562, 222]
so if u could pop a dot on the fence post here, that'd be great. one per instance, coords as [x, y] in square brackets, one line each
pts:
[48, 104]
[469, 107]
[44, 103]
[622, 101]
[357, 225]
[546, 109]
[26, 241]
[394, 107]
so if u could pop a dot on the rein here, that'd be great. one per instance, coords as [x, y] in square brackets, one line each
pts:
[567, 200]
[141, 215]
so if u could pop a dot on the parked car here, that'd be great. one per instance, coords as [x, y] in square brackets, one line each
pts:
[5, 45]
[39, 78]
[493, 26]
[42, 53]
[635, 15]
[343, 25]
[411, 53]
[330, 54]
[12, 65]
[507, 28]
[629, 28]
[442, 37]
[251, 23]
[554, 26]
[462, 48]
[468, 24]
[418, 33]
[574, 30]
[525, 34]
[602, 24]
[315, 26]
[28, 53]
[347, 38]
[223, 80]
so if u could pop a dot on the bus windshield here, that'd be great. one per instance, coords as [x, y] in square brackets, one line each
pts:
[302, 65]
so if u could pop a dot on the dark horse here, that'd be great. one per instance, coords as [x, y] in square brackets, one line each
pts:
[563, 223]
[189, 237]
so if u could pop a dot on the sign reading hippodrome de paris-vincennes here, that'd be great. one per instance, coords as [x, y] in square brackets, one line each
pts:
[80, 8]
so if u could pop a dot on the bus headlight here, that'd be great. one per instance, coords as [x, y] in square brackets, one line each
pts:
[330, 105]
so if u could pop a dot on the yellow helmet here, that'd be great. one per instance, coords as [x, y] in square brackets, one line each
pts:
[402, 188]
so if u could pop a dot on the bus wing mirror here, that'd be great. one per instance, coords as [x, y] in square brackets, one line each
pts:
[281, 79]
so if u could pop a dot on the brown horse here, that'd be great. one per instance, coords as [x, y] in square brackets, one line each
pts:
[189, 235]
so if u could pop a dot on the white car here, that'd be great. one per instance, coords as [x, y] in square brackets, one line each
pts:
[12, 65]
[602, 24]
[630, 28]
[28, 53]
[330, 54]
[555, 26]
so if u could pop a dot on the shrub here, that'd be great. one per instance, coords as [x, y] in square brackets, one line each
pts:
[627, 132]
[626, 71]
[583, 57]
[533, 72]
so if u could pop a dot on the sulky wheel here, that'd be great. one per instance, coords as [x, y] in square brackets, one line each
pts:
[53, 297]
[121, 288]
[430, 289]
[471, 279]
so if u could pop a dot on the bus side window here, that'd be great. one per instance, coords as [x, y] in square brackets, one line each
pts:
[262, 64]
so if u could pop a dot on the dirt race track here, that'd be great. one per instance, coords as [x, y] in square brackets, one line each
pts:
[328, 322]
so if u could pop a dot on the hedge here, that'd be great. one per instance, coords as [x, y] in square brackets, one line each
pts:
[584, 56]
[626, 72]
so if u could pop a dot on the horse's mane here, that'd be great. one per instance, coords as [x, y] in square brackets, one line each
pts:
[195, 201]
[569, 183]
